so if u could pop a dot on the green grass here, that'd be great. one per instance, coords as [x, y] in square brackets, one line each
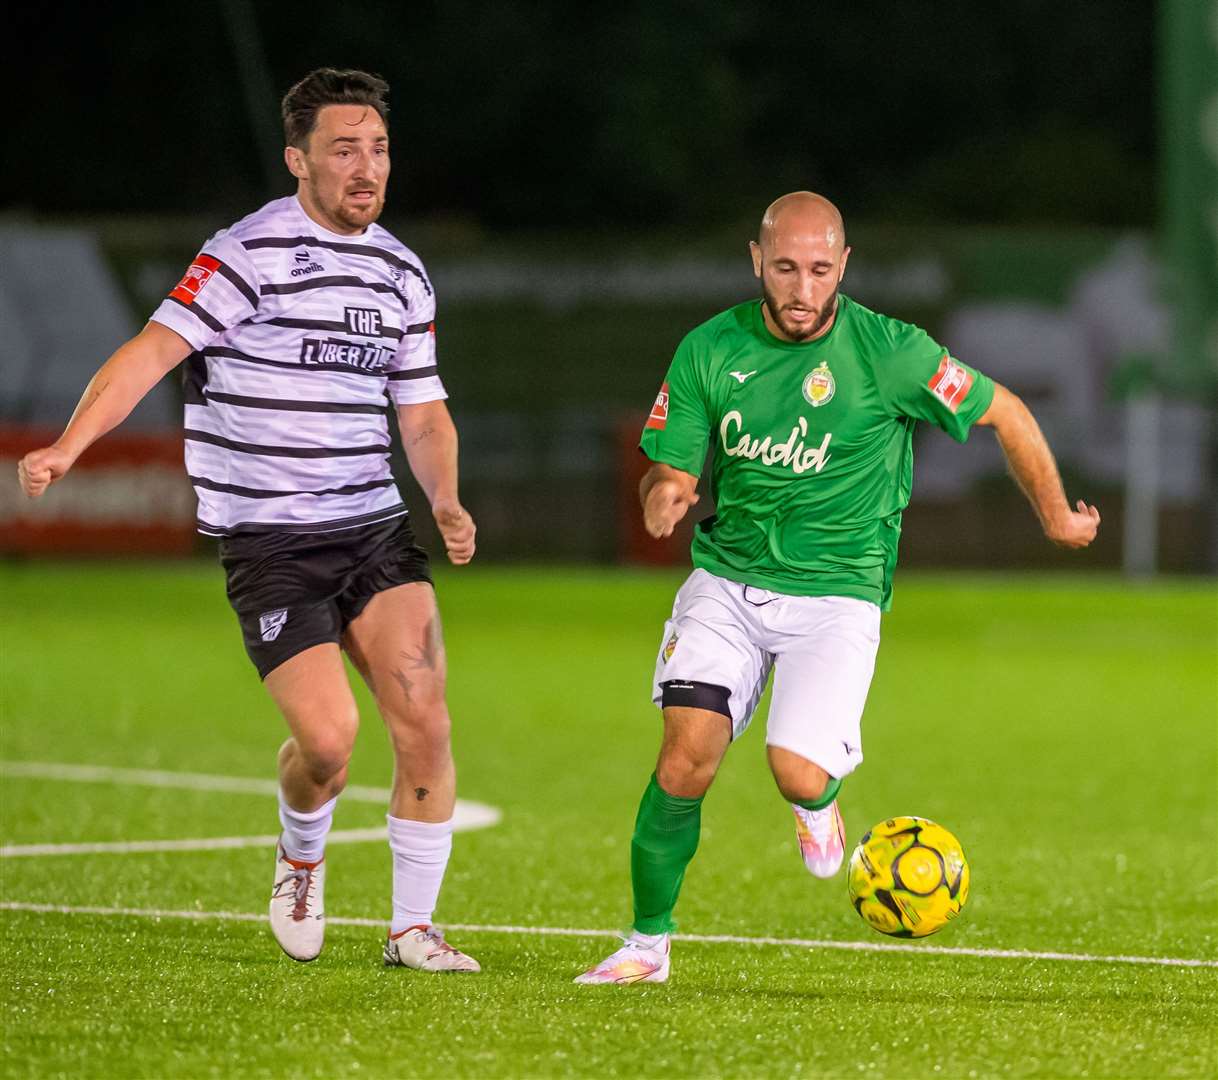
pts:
[1063, 728]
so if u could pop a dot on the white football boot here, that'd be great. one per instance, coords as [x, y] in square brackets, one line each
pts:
[298, 911]
[822, 838]
[424, 948]
[634, 962]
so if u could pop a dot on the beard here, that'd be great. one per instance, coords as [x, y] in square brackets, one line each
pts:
[797, 331]
[344, 213]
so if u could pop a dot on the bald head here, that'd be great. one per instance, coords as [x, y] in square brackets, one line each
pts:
[800, 256]
[806, 214]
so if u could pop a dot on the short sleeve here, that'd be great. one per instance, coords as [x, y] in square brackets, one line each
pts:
[219, 290]
[678, 428]
[919, 378]
[413, 375]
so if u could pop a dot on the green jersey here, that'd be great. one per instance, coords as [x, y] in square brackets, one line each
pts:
[813, 443]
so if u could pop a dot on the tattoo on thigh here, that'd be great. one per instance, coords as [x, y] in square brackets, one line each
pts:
[429, 657]
[421, 793]
[400, 678]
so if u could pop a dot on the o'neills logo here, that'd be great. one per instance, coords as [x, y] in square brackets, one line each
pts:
[793, 453]
[305, 264]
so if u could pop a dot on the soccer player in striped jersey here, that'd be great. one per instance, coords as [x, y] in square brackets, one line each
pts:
[298, 325]
[810, 402]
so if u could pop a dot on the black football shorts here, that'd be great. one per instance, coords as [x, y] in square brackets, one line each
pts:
[292, 591]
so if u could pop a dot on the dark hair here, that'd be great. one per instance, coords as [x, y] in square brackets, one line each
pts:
[329, 86]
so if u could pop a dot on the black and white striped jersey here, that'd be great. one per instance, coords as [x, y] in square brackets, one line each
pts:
[300, 336]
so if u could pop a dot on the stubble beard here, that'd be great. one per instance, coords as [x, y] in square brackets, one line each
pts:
[800, 333]
[346, 216]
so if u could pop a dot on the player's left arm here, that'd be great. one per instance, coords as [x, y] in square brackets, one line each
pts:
[430, 440]
[1032, 465]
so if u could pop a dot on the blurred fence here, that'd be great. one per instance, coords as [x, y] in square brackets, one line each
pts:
[552, 351]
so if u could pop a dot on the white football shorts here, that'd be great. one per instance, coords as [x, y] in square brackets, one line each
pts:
[821, 648]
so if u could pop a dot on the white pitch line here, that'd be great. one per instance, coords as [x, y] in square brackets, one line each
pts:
[206, 843]
[701, 939]
[466, 814]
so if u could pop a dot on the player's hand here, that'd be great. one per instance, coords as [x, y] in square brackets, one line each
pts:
[1075, 529]
[457, 528]
[667, 502]
[39, 469]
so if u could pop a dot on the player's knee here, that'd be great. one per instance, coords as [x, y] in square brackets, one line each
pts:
[326, 757]
[422, 730]
[798, 779]
[685, 772]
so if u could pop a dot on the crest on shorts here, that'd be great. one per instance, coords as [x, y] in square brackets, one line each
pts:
[271, 622]
[819, 386]
[669, 647]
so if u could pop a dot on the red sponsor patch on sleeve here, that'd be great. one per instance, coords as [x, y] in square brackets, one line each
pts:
[198, 274]
[658, 419]
[951, 383]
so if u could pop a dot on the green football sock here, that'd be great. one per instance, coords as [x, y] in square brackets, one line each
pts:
[831, 790]
[665, 838]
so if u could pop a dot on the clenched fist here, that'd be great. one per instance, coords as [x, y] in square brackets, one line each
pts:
[457, 528]
[39, 469]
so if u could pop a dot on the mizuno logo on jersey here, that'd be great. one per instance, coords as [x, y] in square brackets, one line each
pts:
[350, 355]
[740, 376]
[793, 453]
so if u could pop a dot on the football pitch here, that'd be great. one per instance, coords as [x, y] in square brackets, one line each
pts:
[1063, 728]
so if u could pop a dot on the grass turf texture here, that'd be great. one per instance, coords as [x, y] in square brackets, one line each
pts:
[1064, 729]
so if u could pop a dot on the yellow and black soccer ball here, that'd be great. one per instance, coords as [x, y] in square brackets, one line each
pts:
[908, 877]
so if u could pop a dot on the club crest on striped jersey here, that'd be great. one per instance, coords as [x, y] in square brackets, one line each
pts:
[197, 275]
[271, 622]
[819, 386]
[951, 383]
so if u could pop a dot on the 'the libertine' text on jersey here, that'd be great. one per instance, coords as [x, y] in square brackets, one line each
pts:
[300, 336]
[813, 443]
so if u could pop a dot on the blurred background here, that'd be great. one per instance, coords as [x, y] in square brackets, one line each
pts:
[1036, 184]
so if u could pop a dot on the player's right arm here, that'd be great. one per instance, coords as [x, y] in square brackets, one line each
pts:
[119, 385]
[675, 439]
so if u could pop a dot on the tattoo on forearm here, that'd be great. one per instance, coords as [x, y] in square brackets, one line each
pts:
[421, 793]
[425, 433]
[94, 395]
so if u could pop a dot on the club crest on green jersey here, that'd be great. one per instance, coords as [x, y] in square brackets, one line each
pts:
[819, 386]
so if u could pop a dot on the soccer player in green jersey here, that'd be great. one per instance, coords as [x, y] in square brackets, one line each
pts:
[810, 401]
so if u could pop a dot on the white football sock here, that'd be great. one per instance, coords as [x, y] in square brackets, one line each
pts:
[304, 831]
[648, 941]
[420, 857]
